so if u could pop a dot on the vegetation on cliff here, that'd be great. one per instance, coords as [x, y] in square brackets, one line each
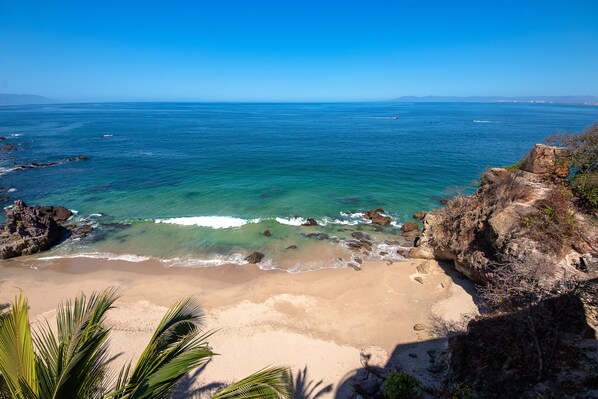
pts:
[529, 238]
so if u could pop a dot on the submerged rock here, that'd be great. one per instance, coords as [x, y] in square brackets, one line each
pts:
[318, 236]
[409, 226]
[255, 257]
[267, 233]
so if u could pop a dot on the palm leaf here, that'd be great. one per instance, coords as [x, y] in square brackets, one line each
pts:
[73, 363]
[177, 347]
[269, 383]
[17, 358]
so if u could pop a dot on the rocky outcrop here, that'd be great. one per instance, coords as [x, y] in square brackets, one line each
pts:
[547, 160]
[377, 217]
[512, 216]
[255, 257]
[310, 222]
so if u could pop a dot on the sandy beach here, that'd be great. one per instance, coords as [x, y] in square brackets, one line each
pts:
[315, 321]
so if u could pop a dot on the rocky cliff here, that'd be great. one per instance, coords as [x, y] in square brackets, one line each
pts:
[524, 212]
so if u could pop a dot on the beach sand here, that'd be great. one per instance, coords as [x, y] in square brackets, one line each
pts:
[314, 321]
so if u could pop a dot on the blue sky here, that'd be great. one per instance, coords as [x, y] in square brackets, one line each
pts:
[296, 50]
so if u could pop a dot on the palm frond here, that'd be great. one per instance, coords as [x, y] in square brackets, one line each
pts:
[177, 347]
[73, 363]
[269, 383]
[17, 357]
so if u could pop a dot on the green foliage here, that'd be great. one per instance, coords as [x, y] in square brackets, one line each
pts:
[401, 386]
[72, 363]
[584, 161]
[585, 186]
[515, 166]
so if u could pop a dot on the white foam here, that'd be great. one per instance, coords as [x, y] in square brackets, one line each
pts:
[481, 121]
[107, 135]
[100, 255]
[16, 135]
[291, 221]
[218, 260]
[11, 190]
[214, 222]
[96, 215]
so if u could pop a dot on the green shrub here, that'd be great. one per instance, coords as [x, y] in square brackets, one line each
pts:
[515, 166]
[585, 186]
[401, 386]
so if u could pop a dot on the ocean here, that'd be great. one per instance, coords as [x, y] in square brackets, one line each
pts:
[196, 184]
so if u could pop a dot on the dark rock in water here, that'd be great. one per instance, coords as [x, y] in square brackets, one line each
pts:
[2, 138]
[78, 158]
[409, 226]
[419, 215]
[267, 233]
[81, 231]
[4, 199]
[8, 148]
[292, 247]
[318, 236]
[255, 257]
[29, 230]
[358, 260]
[377, 217]
[383, 253]
[361, 236]
[443, 201]
[359, 245]
[310, 222]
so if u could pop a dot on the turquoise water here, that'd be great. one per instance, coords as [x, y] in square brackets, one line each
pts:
[231, 169]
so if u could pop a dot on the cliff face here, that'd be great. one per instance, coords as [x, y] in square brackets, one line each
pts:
[514, 215]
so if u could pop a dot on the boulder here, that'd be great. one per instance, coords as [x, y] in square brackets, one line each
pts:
[419, 279]
[377, 217]
[409, 226]
[358, 235]
[293, 246]
[29, 230]
[419, 215]
[267, 233]
[374, 359]
[255, 257]
[310, 222]
[547, 160]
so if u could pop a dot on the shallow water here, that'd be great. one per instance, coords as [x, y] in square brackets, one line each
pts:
[197, 184]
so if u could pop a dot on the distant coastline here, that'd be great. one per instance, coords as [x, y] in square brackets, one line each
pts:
[585, 100]
[23, 99]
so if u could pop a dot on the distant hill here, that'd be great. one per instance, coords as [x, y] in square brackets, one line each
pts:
[495, 99]
[19, 99]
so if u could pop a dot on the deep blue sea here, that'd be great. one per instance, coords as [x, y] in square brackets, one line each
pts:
[196, 184]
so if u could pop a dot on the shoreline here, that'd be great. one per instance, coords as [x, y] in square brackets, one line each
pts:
[320, 320]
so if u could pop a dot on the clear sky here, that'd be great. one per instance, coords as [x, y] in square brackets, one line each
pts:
[286, 50]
